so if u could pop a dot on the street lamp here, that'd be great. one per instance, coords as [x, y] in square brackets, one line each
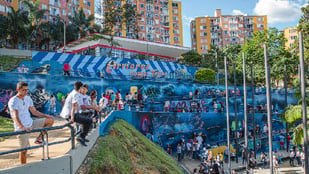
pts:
[64, 39]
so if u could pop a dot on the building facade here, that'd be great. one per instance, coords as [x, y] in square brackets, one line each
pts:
[224, 30]
[56, 8]
[160, 20]
[290, 35]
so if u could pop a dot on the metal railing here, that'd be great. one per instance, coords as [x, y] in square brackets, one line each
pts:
[45, 145]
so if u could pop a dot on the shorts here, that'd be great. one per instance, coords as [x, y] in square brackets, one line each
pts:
[24, 138]
[281, 143]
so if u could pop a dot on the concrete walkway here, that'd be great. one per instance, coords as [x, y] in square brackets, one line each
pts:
[191, 164]
[12, 160]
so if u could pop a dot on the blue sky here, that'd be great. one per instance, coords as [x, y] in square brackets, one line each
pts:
[280, 13]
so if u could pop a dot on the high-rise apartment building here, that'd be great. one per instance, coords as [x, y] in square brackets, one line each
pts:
[290, 34]
[224, 30]
[160, 21]
[57, 8]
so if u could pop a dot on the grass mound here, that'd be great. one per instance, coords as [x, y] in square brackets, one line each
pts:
[125, 150]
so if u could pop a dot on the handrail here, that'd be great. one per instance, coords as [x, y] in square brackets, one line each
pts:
[45, 144]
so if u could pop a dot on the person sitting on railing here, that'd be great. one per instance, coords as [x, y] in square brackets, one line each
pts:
[19, 106]
[71, 112]
[103, 104]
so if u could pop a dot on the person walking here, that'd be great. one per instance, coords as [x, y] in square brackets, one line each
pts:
[66, 69]
[19, 106]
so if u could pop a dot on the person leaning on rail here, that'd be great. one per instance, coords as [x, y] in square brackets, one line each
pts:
[19, 106]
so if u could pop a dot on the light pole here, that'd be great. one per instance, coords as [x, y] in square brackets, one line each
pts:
[64, 39]
[269, 112]
[227, 115]
[304, 104]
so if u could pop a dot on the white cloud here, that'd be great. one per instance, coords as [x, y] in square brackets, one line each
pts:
[186, 20]
[278, 11]
[238, 12]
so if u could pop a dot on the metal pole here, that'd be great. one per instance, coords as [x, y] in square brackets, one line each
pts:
[303, 94]
[64, 39]
[253, 111]
[286, 104]
[217, 69]
[227, 116]
[269, 112]
[235, 110]
[245, 110]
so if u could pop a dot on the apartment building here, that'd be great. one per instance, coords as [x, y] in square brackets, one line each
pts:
[290, 34]
[224, 30]
[160, 21]
[57, 8]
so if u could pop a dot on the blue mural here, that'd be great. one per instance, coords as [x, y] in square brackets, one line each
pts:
[106, 67]
[204, 112]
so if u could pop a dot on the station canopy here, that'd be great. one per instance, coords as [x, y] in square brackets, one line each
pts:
[126, 44]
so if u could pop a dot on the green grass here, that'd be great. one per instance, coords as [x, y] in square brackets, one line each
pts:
[126, 151]
[9, 62]
[6, 125]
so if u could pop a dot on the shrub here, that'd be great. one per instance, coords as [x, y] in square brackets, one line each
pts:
[205, 75]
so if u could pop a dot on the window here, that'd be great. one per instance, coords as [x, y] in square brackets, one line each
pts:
[44, 7]
[203, 20]
[225, 32]
[2, 8]
[142, 20]
[156, 7]
[176, 38]
[225, 25]
[225, 19]
[240, 25]
[142, 13]
[142, 27]
[9, 10]
[157, 21]
[142, 5]
[64, 12]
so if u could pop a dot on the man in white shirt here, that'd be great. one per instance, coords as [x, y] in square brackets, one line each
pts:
[71, 111]
[19, 106]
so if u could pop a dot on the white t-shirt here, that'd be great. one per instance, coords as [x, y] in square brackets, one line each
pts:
[84, 100]
[22, 106]
[73, 97]
[199, 140]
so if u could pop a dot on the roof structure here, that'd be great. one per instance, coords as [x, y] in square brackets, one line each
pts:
[126, 44]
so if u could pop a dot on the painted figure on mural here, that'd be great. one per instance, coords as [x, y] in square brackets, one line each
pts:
[52, 105]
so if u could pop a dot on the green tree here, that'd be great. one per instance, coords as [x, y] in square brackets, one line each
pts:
[35, 16]
[81, 22]
[215, 57]
[303, 25]
[192, 58]
[17, 22]
[205, 75]
[116, 16]
[278, 56]
[3, 28]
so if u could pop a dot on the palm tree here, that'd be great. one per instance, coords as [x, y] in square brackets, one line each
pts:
[293, 116]
[16, 27]
[81, 22]
[35, 16]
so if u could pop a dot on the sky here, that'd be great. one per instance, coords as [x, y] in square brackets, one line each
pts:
[280, 13]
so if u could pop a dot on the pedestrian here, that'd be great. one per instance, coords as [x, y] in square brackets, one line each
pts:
[263, 159]
[71, 112]
[19, 106]
[292, 156]
[179, 152]
[52, 105]
[66, 69]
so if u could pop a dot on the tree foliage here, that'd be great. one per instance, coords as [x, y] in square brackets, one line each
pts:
[205, 75]
[192, 58]
[303, 25]
[277, 54]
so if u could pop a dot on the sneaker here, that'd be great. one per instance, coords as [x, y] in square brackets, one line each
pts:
[81, 141]
[38, 141]
[86, 140]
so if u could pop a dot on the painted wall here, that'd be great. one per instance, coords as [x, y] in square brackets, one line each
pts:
[112, 68]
